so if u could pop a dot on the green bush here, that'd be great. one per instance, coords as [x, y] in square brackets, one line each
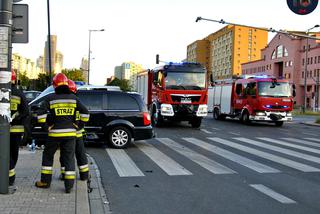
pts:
[318, 120]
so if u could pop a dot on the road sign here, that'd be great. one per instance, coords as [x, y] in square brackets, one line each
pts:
[302, 7]
[20, 32]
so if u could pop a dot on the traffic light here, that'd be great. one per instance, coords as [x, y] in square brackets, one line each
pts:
[157, 59]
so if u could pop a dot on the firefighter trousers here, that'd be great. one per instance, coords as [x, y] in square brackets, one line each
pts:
[67, 149]
[15, 140]
[81, 158]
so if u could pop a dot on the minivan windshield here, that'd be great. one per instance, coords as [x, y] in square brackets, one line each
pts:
[185, 81]
[274, 89]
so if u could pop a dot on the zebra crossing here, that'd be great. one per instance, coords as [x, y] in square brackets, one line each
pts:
[298, 154]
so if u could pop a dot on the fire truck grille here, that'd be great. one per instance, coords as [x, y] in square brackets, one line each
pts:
[185, 99]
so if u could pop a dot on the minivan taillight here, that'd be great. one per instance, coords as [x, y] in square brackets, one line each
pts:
[146, 119]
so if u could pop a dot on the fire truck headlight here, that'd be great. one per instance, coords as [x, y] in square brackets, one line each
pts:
[202, 111]
[289, 114]
[166, 110]
[260, 114]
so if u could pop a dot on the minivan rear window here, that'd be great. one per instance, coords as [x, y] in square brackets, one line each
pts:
[122, 101]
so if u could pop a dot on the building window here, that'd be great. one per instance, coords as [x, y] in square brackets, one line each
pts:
[318, 59]
[311, 58]
[285, 52]
[290, 63]
[279, 51]
[273, 56]
[302, 61]
[302, 75]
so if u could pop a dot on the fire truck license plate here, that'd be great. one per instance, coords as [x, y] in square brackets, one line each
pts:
[185, 100]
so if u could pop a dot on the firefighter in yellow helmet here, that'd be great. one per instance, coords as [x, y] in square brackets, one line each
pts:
[19, 113]
[58, 110]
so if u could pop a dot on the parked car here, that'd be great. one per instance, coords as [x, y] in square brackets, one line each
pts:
[116, 117]
[31, 95]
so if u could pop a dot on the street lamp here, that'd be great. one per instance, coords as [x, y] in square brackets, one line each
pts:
[49, 44]
[306, 69]
[89, 58]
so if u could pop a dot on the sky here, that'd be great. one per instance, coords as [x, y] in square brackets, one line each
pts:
[137, 30]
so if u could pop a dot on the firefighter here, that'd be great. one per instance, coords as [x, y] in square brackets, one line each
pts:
[58, 110]
[80, 152]
[19, 113]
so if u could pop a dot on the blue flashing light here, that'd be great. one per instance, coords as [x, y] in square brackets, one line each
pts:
[79, 82]
[285, 106]
[268, 106]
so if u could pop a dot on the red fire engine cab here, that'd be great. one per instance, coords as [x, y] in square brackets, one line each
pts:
[175, 92]
[253, 98]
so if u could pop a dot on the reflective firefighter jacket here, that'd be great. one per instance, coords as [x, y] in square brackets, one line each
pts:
[59, 112]
[19, 110]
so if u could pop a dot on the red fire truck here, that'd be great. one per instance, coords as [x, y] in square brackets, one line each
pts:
[175, 92]
[253, 98]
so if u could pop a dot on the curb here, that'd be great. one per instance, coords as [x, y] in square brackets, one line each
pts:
[82, 198]
[98, 199]
[310, 124]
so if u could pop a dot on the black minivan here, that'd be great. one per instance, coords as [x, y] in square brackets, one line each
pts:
[116, 117]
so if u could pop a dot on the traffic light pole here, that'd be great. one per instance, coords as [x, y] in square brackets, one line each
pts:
[5, 89]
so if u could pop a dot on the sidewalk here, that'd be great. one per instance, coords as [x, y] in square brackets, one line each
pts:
[28, 199]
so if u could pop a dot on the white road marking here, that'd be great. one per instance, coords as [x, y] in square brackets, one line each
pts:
[308, 149]
[206, 131]
[314, 139]
[216, 129]
[280, 150]
[234, 133]
[123, 163]
[311, 134]
[203, 161]
[251, 164]
[163, 161]
[272, 194]
[274, 158]
[301, 141]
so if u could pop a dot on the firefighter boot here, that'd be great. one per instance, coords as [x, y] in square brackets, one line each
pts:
[43, 185]
[11, 180]
[84, 176]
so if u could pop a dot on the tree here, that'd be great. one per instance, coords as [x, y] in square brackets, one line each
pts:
[42, 82]
[24, 81]
[74, 74]
[123, 84]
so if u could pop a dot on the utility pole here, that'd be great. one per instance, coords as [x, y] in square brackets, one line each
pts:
[5, 89]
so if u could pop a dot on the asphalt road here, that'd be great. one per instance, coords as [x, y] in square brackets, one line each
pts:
[223, 167]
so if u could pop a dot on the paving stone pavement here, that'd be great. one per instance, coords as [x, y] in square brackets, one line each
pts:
[28, 199]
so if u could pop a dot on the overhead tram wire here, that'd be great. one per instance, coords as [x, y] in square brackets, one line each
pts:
[260, 28]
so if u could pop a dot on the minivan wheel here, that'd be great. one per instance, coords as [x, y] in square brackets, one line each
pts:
[119, 137]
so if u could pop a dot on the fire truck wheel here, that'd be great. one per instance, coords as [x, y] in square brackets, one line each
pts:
[279, 123]
[245, 117]
[120, 137]
[157, 120]
[196, 122]
[216, 114]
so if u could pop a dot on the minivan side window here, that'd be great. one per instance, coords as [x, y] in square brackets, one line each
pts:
[91, 101]
[122, 101]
